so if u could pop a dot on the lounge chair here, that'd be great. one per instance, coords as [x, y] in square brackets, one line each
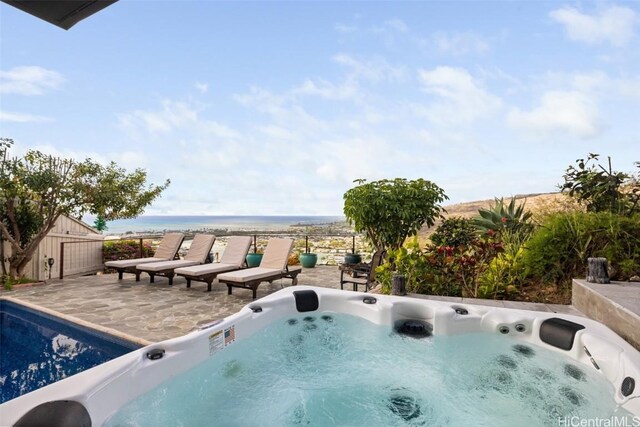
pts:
[272, 267]
[166, 251]
[232, 259]
[197, 254]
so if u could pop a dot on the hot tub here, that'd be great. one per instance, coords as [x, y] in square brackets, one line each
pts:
[318, 356]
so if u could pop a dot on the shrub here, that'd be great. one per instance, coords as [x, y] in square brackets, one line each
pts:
[440, 270]
[454, 231]
[113, 250]
[559, 249]
[294, 259]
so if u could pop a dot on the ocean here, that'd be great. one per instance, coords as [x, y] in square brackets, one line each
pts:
[161, 223]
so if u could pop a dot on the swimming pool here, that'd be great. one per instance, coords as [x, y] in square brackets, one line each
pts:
[317, 356]
[37, 349]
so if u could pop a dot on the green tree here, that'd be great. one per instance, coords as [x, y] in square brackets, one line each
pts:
[601, 188]
[100, 224]
[389, 211]
[37, 189]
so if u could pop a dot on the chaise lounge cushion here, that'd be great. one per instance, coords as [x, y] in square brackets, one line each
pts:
[165, 265]
[167, 249]
[198, 270]
[124, 263]
[250, 274]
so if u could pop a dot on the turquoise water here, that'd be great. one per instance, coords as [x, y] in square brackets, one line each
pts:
[148, 223]
[328, 369]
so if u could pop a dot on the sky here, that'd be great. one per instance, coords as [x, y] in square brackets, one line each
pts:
[261, 108]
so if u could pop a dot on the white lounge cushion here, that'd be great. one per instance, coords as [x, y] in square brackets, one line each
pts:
[249, 274]
[198, 270]
[200, 248]
[165, 265]
[236, 250]
[124, 263]
[276, 254]
[168, 247]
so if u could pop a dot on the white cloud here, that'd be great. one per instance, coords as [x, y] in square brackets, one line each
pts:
[614, 25]
[345, 28]
[202, 87]
[460, 43]
[570, 112]
[29, 80]
[459, 96]
[172, 115]
[6, 116]
[374, 69]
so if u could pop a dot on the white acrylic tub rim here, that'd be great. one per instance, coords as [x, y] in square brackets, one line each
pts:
[103, 390]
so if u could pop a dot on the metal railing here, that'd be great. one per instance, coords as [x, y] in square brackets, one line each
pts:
[267, 234]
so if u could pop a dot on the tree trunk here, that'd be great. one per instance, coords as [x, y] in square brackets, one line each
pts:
[597, 270]
[399, 285]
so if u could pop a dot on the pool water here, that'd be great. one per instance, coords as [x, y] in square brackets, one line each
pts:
[37, 349]
[334, 369]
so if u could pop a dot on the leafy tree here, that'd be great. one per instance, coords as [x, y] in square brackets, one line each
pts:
[601, 188]
[389, 211]
[37, 189]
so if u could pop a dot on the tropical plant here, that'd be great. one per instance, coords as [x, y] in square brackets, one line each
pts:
[389, 211]
[499, 217]
[454, 231]
[601, 188]
[100, 224]
[505, 272]
[37, 189]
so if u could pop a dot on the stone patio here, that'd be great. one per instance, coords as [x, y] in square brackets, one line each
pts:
[147, 312]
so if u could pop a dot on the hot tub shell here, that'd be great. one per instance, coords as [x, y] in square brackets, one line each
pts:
[103, 390]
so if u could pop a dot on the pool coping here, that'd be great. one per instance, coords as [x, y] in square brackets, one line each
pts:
[75, 320]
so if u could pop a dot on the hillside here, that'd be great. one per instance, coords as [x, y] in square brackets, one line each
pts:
[534, 202]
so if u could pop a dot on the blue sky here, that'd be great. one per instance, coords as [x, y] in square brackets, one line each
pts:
[269, 107]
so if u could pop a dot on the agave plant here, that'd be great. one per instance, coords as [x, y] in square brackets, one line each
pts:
[500, 217]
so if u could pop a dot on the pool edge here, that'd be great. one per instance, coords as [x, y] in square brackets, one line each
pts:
[75, 320]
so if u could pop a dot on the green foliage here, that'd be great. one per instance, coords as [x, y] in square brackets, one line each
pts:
[37, 189]
[114, 250]
[558, 250]
[440, 270]
[8, 283]
[454, 231]
[389, 211]
[500, 217]
[601, 188]
[506, 272]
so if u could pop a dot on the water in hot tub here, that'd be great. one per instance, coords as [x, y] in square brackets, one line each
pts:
[335, 369]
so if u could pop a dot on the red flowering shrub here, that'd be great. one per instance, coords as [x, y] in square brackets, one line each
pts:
[114, 250]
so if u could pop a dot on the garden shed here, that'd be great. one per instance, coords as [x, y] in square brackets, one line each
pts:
[82, 251]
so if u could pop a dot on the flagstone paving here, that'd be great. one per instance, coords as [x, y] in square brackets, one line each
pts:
[156, 311]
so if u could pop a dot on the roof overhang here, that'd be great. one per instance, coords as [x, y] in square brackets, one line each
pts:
[64, 14]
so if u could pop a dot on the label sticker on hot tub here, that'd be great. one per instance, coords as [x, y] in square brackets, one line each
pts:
[216, 342]
[229, 335]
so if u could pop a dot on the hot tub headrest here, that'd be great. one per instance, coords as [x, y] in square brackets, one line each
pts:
[59, 413]
[306, 301]
[559, 333]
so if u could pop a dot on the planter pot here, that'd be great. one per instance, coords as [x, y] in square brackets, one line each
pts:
[352, 259]
[253, 260]
[308, 260]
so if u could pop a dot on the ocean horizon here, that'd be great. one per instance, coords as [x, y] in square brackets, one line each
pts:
[161, 223]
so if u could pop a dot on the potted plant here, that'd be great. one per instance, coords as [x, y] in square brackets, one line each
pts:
[308, 259]
[352, 258]
[254, 259]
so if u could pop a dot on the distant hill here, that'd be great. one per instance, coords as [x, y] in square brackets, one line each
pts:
[534, 202]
